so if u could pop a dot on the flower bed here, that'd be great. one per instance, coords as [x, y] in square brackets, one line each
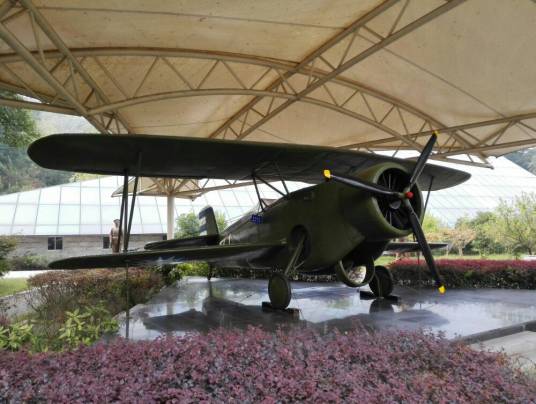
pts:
[468, 273]
[254, 365]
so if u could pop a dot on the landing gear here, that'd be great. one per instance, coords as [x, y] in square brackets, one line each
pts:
[382, 282]
[355, 275]
[279, 291]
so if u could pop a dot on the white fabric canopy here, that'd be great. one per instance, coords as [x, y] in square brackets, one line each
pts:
[370, 75]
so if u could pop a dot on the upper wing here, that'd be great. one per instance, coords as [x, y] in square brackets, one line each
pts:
[183, 157]
[215, 253]
[408, 246]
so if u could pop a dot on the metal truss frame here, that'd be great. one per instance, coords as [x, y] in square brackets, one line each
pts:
[190, 189]
[67, 92]
[316, 80]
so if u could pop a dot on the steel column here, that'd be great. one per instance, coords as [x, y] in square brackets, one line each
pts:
[170, 216]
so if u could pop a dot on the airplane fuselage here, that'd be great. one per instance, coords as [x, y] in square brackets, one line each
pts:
[336, 221]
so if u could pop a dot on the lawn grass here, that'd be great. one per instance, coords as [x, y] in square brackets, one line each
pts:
[384, 260]
[13, 285]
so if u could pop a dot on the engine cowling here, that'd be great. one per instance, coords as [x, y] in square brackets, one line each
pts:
[381, 217]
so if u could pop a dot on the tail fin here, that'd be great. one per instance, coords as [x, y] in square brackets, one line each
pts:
[208, 221]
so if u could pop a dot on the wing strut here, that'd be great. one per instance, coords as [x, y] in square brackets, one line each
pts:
[125, 220]
[134, 192]
[428, 196]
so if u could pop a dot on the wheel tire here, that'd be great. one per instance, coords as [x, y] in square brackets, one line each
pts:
[381, 306]
[279, 291]
[345, 277]
[382, 282]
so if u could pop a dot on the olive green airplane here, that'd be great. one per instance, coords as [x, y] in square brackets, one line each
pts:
[357, 205]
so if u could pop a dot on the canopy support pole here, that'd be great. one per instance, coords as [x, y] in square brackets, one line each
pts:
[170, 216]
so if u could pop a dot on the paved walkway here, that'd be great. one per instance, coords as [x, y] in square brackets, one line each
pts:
[21, 274]
[521, 347]
[15, 305]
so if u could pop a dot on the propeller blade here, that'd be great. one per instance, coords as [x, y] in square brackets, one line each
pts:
[425, 248]
[361, 184]
[421, 161]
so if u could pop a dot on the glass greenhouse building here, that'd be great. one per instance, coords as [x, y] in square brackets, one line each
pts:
[87, 208]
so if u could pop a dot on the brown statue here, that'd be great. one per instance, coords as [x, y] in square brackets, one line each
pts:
[115, 231]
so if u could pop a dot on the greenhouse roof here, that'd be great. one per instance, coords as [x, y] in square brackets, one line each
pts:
[88, 207]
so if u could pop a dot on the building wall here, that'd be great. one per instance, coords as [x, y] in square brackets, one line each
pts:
[75, 245]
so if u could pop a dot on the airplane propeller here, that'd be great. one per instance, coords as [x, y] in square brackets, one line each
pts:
[405, 197]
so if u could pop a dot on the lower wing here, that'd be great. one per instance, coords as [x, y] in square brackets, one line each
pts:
[213, 253]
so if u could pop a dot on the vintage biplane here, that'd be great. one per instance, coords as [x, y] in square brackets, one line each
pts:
[358, 203]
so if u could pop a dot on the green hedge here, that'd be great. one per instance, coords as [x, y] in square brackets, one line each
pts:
[468, 273]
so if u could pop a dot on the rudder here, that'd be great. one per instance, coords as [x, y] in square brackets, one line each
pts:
[207, 221]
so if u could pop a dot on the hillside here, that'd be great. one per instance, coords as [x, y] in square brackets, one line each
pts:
[524, 158]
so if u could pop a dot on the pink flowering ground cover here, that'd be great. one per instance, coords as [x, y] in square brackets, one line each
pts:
[258, 366]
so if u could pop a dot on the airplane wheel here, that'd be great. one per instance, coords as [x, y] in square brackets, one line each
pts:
[381, 305]
[279, 291]
[382, 282]
[355, 275]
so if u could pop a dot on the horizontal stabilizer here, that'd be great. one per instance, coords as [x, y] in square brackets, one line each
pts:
[408, 246]
[219, 253]
[186, 157]
[210, 239]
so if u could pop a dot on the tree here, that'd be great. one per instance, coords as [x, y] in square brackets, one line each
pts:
[515, 224]
[17, 126]
[484, 242]
[187, 225]
[220, 220]
[458, 237]
[461, 235]
[432, 227]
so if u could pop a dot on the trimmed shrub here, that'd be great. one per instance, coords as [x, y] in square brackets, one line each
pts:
[53, 293]
[248, 273]
[81, 327]
[254, 365]
[28, 263]
[102, 293]
[193, 269]
[467, 273]
[7, 245]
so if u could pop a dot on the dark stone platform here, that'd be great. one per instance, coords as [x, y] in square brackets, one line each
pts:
[197, 305]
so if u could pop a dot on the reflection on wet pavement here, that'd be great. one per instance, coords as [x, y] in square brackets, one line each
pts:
[197, 305]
